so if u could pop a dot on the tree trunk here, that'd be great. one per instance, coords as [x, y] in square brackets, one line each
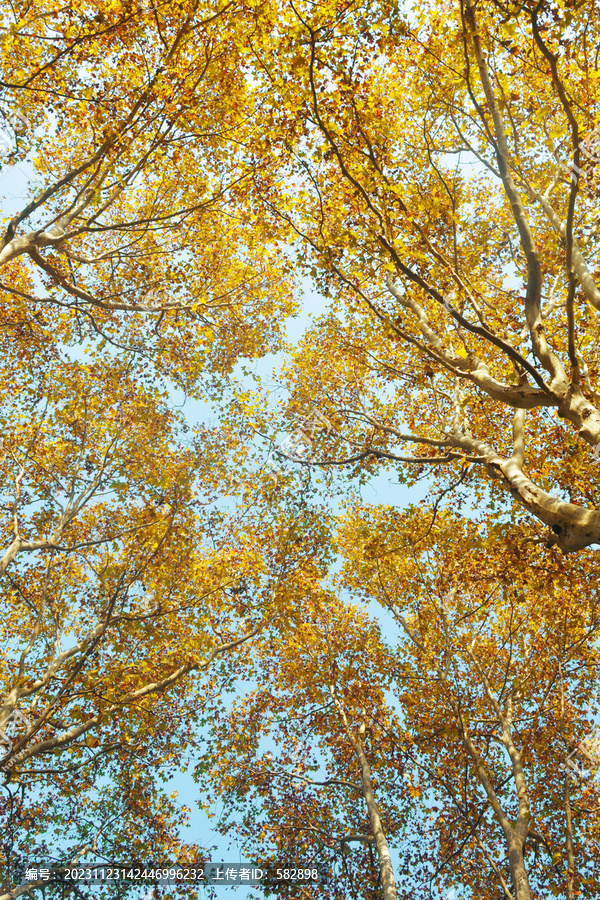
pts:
[518, 870]
[385, 863]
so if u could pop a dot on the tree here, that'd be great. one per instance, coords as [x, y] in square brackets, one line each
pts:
[135, 269]
[122, 635]
[473, 720]
[503, 656]
[291, 760]
[445, 193]
[140, 229]
[140, 588]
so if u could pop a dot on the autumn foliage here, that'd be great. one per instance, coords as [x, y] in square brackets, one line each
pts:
[403, 693]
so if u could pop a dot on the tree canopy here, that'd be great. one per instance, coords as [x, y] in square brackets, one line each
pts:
[397, 691]
[444, 186]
